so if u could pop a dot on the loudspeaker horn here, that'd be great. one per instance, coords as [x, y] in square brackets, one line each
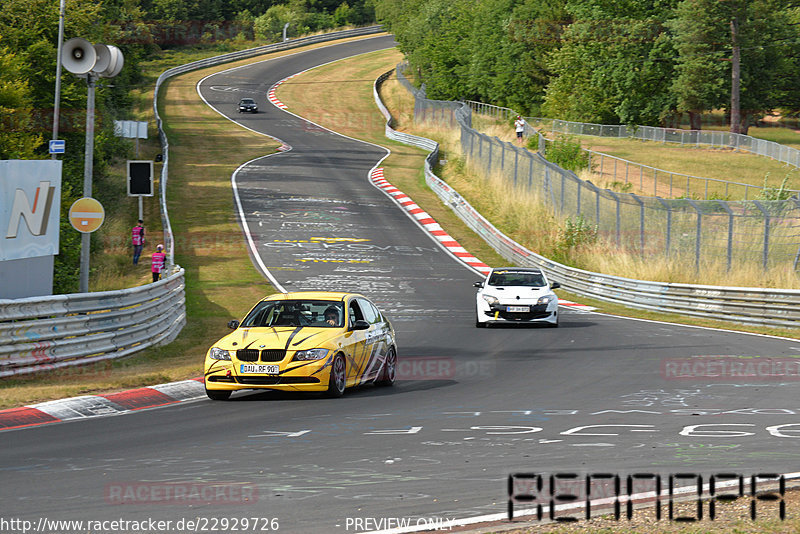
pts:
[79, 56]
[103, 58]
[116, 61]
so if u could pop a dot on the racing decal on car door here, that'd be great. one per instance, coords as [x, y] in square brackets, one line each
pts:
[379, 350]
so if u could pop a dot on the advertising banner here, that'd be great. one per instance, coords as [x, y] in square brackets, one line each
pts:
[30, 203]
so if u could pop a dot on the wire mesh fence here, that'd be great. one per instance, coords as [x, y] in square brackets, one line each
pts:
[621, 174]
[761, 232]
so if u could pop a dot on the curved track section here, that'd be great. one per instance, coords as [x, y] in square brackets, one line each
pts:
[471, 405]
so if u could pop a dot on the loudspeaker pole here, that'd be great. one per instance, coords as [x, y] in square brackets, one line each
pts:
[93, 61]
[57, 100]
[88, 168]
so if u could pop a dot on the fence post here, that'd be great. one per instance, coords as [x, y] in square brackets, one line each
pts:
[491, 150]
[766, 231]
[616, 201]
[668, 235]
[530, 174]
[547, 184]
[641, 222]
[655, 181]
[597, 205]
[627, 165]
[699, 232]
[727, 208]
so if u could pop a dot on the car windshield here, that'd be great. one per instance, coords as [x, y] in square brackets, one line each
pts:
[314, 313]
[516, 278]
[247, 101]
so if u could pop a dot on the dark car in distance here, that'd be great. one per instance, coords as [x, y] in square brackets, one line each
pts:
[248, 105]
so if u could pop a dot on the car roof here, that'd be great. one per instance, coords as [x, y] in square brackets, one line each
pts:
[250, 99]
[311, 295]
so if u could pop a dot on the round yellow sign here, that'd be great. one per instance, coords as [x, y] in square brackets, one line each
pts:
[86, 215]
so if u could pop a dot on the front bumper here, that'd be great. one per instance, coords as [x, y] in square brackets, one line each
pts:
[500, 313]
[224, 375]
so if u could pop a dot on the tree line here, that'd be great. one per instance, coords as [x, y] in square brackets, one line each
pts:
[648, 62]
[142, 29]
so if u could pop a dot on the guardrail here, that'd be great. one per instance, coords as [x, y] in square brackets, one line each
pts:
[757, 306]
[46, 333]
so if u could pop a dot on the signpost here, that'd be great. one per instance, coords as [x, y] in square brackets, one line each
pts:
[57, 146]
[86, 215]
[131, 130]
[140, 181]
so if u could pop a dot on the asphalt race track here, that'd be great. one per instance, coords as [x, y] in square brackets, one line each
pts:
[472, 405]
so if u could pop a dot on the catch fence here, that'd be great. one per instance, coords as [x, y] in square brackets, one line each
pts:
[697, 232]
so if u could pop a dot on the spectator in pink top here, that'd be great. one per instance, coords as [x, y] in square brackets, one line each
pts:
[159, 260]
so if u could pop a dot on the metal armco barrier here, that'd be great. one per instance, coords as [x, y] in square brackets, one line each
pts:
[757, 306]
[45, 333]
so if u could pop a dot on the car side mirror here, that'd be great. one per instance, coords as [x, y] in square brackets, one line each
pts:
[477, 284]
[360, 325]
[233, 325]
[555, 285]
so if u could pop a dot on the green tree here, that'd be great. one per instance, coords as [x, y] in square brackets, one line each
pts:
[18, 138]
[767, 38]
[701, 33]
[269, 26]
[614, 64]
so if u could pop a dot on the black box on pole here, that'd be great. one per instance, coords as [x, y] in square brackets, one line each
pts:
[140, 178]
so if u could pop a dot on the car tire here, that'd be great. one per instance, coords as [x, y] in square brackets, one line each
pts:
[217, 394]
[479, 324]
[338, 379]
[389, 369]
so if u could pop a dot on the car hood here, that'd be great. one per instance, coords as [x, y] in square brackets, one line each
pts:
[514, 293]
[280, 337]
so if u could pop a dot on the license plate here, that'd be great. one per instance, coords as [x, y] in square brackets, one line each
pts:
[259, 369]
[518, 309]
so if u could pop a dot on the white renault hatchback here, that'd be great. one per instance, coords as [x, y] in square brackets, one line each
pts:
[516, 295]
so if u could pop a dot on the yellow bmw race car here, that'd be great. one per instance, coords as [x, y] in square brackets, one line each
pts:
[304, 341]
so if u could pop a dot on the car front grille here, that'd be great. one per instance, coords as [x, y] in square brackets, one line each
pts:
[247, 355]
[266, 355]
[273, 355]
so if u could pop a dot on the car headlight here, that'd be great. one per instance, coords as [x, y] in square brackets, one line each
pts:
[310, 354]
[491, 300]
[217, 353]
[547, 299]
